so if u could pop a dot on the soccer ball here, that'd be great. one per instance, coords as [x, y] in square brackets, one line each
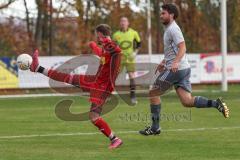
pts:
[24, 61]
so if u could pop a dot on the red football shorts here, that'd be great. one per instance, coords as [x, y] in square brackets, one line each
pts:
[99, 91]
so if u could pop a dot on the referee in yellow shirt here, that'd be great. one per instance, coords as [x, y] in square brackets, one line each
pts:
[130, 42]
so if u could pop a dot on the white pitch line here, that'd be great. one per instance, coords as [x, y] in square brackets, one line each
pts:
[81, 94]
[120, 132]
[36, 95]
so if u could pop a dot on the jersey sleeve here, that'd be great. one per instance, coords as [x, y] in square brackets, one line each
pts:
[137, 37]
[177, 35]
[114, 36]
[97, 50]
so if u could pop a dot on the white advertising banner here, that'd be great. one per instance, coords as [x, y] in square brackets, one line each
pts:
[211, 68]
[194, 61]
[205, 69]
[28, 79]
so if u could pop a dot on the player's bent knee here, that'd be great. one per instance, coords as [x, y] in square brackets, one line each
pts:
[95, 112]
[154, 99]
[154, 93]
[187, 104]
[93, 116]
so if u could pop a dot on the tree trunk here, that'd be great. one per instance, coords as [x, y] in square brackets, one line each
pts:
[50, 29]
[38, 28]
[157, 17]
[28, 25]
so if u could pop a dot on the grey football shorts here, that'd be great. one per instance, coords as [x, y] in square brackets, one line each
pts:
[167, 79]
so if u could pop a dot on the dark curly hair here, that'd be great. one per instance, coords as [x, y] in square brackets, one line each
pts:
[171, 9]
[104, 29]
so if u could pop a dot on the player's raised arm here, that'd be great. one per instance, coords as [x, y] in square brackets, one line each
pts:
[95, 48]
[111, 47]
[108, 44]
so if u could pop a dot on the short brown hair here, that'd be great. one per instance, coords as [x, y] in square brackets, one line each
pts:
[104, 29]
[171, 9]
[124, 17]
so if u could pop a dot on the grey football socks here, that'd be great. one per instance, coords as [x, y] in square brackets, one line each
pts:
[155, 110]
[202, 102]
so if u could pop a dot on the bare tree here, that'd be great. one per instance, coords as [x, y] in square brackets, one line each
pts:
[156, 7]
[50, 44]
[45, 28]
[28, 24]
[38, 28]
[43, 33]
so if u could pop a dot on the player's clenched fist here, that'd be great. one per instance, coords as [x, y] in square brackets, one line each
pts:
[175, 66]
[161, 67]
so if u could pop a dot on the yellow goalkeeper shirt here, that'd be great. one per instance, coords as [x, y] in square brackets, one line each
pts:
[126, 40]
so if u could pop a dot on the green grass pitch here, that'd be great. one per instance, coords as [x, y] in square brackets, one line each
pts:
[187, 134]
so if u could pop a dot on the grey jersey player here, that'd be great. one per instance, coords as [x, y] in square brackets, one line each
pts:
[175, 71]
[172, 38]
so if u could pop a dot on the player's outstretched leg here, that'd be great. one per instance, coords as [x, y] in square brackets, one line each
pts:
[223, 107]
[98, 121]
[35, 67]
[202, 102]
[53, 74]
[35, 63]
[219, 104]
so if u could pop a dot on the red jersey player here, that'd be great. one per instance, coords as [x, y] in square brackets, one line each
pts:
[100, 85]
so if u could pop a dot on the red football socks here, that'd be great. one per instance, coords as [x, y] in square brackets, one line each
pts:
[58, 76]
[103, 127]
